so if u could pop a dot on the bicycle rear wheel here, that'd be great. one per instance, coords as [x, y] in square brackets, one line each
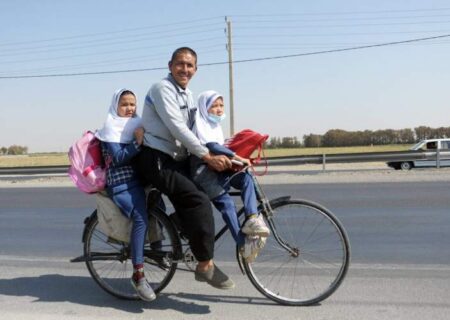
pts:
[305, 258]
[109, 261]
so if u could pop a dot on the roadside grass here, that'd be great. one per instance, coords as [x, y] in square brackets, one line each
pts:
[54, 159]
[316, 151]
[34, 159]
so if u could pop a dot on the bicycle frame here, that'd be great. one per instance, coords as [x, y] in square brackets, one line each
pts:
[265, 208]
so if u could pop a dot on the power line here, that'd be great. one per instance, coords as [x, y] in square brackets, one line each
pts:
[343, 49]
[236, 61]
[111, 62]
[286, 35]
[339, 13]
[173, 33]
[343, 25]
[341, 19]
[110, 32]
[98, 53]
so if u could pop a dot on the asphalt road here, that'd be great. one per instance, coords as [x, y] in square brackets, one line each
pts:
[399, 233]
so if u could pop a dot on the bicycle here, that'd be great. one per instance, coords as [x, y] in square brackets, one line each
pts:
[304, 261]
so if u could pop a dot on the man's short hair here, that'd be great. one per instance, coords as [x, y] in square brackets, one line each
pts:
[183, 50]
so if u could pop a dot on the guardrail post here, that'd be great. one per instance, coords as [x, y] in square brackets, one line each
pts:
[324, 156]
[438, 158]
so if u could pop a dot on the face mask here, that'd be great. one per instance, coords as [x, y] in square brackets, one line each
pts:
[216, 119]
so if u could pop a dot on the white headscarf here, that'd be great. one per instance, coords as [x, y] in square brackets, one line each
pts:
[205, 129]
[117, 128]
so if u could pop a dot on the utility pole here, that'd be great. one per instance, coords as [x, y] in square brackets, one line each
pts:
[230, 75]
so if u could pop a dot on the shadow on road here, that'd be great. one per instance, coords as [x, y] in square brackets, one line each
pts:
[84, 291]
[227, 299]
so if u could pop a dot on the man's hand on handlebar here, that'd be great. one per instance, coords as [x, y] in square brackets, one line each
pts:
[217, 162]
[244, 162]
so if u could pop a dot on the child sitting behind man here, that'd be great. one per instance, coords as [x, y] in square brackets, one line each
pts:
[121, 138]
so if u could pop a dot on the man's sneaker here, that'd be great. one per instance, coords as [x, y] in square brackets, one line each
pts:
[215, 277]
[256, 227]
[252, 246]
[143, 289]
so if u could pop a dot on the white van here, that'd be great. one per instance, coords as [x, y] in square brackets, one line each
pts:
[431, 145]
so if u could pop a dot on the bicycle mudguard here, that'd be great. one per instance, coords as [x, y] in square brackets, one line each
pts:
[83, 237]
[239, 260]
[279, 199]
[86, 222]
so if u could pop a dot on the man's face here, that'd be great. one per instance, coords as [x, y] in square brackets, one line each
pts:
[183, 68]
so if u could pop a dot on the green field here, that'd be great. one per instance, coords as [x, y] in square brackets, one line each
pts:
[315, 151]
[34, 159]
[53, 159]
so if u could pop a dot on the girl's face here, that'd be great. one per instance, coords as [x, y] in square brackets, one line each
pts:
[217, 107]
[127, 106]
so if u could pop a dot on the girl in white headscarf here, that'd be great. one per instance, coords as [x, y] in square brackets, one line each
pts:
[121, 138]
[251, 238]
[122, 120]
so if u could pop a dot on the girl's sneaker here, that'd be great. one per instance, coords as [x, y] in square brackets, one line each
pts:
[256, 227]
[143, 289]
[251, 248]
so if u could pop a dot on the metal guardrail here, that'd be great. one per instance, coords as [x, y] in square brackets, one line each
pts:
[349, 157]
[394, 156]
[34, 170]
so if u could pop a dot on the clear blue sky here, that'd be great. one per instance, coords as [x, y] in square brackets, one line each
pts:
[401, 86]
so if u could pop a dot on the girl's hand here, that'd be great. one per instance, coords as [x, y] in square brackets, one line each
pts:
[139, 134]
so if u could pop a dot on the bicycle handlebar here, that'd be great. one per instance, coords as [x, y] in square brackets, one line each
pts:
[238, 163]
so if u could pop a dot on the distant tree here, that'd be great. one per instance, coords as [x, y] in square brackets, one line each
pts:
[312, 140]
[423, 132]
[406, 136]
[441, 132]
[3, 150]
[290, 142]
[273, 143]
[334, 138]
[15, 150]
[285, 142]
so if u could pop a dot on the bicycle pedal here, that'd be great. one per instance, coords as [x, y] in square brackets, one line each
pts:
[189, 260]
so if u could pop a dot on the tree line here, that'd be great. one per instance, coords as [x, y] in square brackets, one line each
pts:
[13, 150]
[343, 138]
[332, 138]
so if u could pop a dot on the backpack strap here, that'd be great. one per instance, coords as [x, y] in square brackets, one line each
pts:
[258, 159]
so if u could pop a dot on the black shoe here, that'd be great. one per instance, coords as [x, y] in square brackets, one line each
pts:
[215, 277]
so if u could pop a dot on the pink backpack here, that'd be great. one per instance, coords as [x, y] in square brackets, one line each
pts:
[87, 168]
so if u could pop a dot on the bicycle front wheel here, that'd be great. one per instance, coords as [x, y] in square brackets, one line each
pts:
[305, 258]
[109, 260]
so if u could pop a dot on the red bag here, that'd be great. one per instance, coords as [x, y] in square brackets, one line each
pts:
[245, 142]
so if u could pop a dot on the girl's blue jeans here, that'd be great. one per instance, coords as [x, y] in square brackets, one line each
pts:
[225, 204]
[132, 203]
